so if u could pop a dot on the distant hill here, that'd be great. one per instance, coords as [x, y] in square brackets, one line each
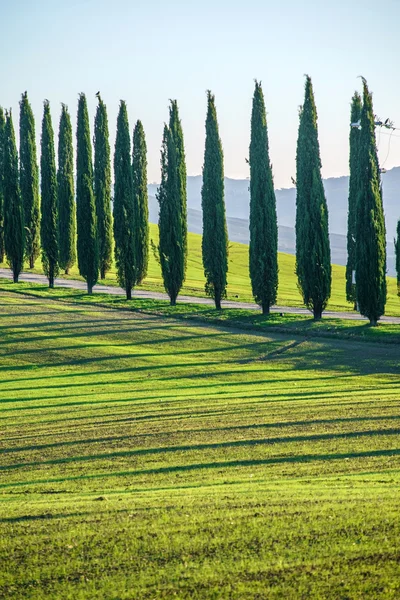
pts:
[336, 189]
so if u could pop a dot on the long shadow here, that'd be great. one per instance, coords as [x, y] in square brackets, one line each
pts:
[302, 458]
[266, 426]
[200, 447]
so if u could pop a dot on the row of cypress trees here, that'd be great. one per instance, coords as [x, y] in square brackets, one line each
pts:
[366, 228]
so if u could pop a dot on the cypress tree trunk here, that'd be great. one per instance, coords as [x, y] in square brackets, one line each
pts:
[171, 244]
[124, 225]
[215, 236]
[66, 193]
[88, 261]
[354, 186]
[397, 251]
[102, 187]
[313, 257]
[140, 202]
[2, 149]
[175, 127]
[14, 238]
[263, 249]
[370, 222]
[29, 180]
[48, 182]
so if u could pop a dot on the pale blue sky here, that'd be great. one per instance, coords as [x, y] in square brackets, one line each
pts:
[146, 52]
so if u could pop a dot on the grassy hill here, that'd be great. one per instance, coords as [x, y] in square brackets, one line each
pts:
[238, 278]
[146, 457]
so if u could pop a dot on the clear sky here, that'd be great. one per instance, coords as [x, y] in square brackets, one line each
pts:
[146, 52]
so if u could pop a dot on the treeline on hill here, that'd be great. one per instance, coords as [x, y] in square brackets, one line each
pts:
[68, 225]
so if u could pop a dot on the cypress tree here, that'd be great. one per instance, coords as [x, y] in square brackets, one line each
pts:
[397, 251]
[313, 257]
[354, 186]
[14, 237]
[170, 221]
[263, 222]
[66, 193]
[215, 236]
[370, 222]
[124, 234]
[48, 184]
[2, 139]
[88, 261]
[29, 180]
[175, 127]
[102, 187]
[140, 202]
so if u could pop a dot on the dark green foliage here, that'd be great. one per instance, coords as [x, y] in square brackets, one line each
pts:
[2, 139]
[170, 220]
[140, 202]
[124, 234]
[175, 128]
[397, 250]
[29, 180]
[102, 187]
[313, 257]
[215, 236]
[66, 193]
[88, 261]
[370, 222]
[354, 186]
[14, 235]
[48, 185]
[263, 222]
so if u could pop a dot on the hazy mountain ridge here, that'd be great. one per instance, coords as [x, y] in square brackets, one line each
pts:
[237, 200]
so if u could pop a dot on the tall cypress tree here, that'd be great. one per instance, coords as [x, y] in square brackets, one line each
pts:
[370, 222]
[263, 222]
[14, 235]
[215, 235]
[171, 242]
[124, 234]
[102, 187]
[48, 184]
[175, 127]
[354, 186]
[397, 251]
[29, 180]
[88, 260]
[66, 193]
[2, 140]
[313, 257]
[140, 202]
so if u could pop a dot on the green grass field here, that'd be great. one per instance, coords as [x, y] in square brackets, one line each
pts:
[238, 278]
[143, 456]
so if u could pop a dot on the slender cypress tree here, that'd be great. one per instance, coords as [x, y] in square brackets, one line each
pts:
[88, 260]
[175, 127]
[313, 257]
[215, 236]
[66, 193]
[14, 237]
[170, 222]
[263, 222]
[397, 250]
[2, 139]
[370, 222]
[102, 187]
[48, 184]
[354, 186]
[29, 180]
[124, 234]
[140, 202]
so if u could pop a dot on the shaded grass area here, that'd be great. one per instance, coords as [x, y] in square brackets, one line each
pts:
[239, 287]
[152, 457]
